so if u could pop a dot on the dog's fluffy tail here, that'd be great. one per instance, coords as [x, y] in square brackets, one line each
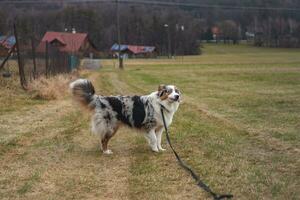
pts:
[83, 92]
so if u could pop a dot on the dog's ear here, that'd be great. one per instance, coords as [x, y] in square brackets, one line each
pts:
[162, 93]
[161, 87]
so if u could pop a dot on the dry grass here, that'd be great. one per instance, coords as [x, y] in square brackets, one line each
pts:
[52, 88]
[12, 96]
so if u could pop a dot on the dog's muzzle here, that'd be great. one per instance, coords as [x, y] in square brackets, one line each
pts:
[176, 97]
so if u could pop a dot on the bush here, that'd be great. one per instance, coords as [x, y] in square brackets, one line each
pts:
[52, 88]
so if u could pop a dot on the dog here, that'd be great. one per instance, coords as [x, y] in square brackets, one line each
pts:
[139, 112]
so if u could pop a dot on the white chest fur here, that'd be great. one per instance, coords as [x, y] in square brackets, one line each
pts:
[168, 115]
[169, 109]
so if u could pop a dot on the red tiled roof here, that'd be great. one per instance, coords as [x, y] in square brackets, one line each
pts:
[136, 49]
[70, 42]
[133, 48]
[215, 30]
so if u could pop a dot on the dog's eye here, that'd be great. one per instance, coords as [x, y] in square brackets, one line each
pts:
[177, 91]
[169, 91]
[162, 93]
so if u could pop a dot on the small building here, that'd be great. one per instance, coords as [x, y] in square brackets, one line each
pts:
[6, 44]
[133, 50]
[73, 43]
[250, 36]
[216, 33]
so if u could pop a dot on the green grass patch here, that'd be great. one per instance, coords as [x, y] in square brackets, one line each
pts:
[29, 183]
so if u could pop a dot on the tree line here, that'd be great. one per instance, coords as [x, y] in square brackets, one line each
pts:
[155, 25]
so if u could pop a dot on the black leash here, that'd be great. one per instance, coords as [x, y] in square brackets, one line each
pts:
[200, 183]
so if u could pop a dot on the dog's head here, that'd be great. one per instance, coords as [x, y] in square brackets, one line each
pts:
[169, 93]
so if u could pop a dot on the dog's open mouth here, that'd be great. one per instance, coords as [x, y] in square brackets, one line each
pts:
[174, 99]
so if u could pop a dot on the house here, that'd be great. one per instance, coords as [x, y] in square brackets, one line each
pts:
[216, 32]
[73, 43]
[133, 50]
[250, 36]
[7, 43]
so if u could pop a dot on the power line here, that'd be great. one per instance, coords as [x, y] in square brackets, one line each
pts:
[119, 36]
[206, 5]
[52, 2]
[159, 3]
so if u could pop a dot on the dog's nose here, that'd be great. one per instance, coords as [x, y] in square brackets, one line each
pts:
[176, 97]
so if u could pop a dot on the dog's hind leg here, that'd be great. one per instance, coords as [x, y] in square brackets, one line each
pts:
[151, 137]
[105, 139]
[105, 129]
[104, 142]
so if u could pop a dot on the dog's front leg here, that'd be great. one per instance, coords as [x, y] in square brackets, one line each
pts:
[151, 137]
[158, 135]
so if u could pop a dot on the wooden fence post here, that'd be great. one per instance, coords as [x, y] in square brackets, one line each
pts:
[20, 63]
[33, 58]
[47, 58]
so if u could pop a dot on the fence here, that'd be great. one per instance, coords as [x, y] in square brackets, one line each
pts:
[35, 58]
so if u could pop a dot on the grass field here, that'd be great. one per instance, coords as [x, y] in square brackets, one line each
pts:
[238, 126]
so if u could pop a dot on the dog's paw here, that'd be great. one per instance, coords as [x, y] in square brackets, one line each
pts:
[108, 152]
[161, 149]
[155, 150]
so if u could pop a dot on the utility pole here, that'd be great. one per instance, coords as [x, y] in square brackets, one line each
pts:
[179, 29]
[119, 36]
[169, 40]
[33, 51]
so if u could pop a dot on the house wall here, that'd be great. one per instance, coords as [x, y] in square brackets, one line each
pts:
[3, 51]
[86, 49]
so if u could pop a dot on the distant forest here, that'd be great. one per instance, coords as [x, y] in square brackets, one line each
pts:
[145, 24]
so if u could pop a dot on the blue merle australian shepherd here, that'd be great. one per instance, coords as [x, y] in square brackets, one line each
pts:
[140, 112]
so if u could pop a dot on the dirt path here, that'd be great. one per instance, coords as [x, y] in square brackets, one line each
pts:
[152, 176]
